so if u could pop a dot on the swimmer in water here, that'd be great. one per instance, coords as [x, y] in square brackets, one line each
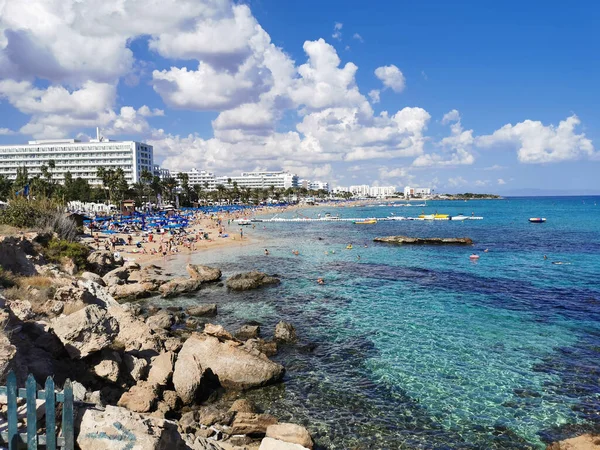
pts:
[266, 252]
[545, 257]
[320, 281]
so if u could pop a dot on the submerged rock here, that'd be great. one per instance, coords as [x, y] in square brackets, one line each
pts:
[202, 310]
[290, 432]
[250, 280]
[424, 241]
[205, 274]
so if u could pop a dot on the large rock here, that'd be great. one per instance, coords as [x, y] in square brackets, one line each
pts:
[116, 428]
[235, 367]
[18, 255]
[137, 367]
[285, 332]
[290, 432]
[162, 320]
[203, 273]
[103, 261]
[247, 332]
[584, 442]
[132, 291]
[179, 285]
[22, 309]
[250, 280]
[275, 444]
[217, 331]
[7, 352]
[109, 368]
[117, 276]
[424, 241]
[250, 423]
[202, 310]
[161, 368]
[86, 331]
[140, 398]
[91, 276]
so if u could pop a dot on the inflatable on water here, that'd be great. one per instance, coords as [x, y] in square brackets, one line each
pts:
[474, 256]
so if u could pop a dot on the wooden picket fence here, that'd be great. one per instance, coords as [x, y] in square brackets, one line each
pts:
[49, 440]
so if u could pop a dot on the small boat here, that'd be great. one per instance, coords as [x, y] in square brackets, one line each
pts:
[537, 219]
[440, 216]
[459, 217]
[427, 216]
[244, 222]
[349, 247]
[366, 222]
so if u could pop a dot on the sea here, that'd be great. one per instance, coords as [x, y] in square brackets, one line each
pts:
[420, 347]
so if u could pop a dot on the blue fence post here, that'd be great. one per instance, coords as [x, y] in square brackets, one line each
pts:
[11, 396]
[67, 417]
[31, 395]
[50, 414]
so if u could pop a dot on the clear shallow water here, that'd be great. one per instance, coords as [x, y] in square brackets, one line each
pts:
[418, 347]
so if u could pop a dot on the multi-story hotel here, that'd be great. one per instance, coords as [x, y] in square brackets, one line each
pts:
[416, 192]
[261, 180]
[81, 159]
[205, 179]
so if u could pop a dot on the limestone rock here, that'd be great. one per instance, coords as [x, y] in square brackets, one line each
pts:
[250, 280]
[217, 331]
[117, 276]
[161, 368]
[202, 310]
[247, 332]
[243, 405]
[285, 332]
[164, 319]
[137, 367]
[7, 352]
[275, 444]
[290, 432]
[21, 308]
[18, 256]
[203, 273]
[180, 285]
[132, 291]
[107, 369]
[269, 348]
[140, 398]
[117, 428]
[171, 400]
[583, 442]
[235, 367]
[103, 261]
[91, 276]
[251, 423]
[86, 331]
[424, 241]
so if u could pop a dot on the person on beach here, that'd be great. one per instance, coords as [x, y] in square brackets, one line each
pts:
[241, 233]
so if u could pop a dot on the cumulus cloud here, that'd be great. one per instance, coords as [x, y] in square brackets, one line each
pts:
[358, 37]
[457, 181]
[374, 95]
[537, 143]
[6, 132]
[495, 167]
[391, 77]
[337, 31]
[501, 181]
[451, 116]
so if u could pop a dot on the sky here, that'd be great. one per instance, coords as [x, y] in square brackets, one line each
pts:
[497, 97]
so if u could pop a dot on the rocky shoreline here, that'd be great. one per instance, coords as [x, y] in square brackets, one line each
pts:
[159, 378]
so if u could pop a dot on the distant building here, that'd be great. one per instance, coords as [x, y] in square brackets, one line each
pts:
[161, 172]
[314, 185]
[261, 180]
[382, 191]
[360, 190]
[416, 192]
[207, 180]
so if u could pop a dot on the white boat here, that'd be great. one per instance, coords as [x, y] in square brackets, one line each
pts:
[244, 222]
[459, 217]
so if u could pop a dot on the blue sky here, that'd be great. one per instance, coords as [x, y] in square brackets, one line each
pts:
[479, 96]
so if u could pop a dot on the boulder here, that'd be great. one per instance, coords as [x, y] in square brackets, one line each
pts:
[171, 400]
[108, 368]
[211, 415]
[269, 348]
[583, 442]
[7, 352]
[247, 332]
[21, 309]
[235, 367]
[217, 331]
[243, 405]
[117, 428]
[132, 291]
[75, 295]
[424, 241]
[140, 398]
[203, 273]
[134, 333]
[137, 367]
[250, 280]
[164, 319]
[275, 444]
[179, 285]
[117, 276]
[202, 310]
[86, 331]
[68, 266]
[290, 432]
[18, 255]
[285, 332]
[251, 423]
[103, 261]
[91, 276]
[161, 368]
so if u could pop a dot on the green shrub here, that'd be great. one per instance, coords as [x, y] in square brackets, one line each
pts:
[7, 279]
[58, 249]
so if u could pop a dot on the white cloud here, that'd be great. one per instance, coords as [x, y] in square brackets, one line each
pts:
[374, 95]
[538, 143]
[145, 111]
[495, 167]
[501, 181]
[337, 31]
[358, 37]
[391, 77]
[457, 181]
[451, 116]
[482, 182]
[6, 132]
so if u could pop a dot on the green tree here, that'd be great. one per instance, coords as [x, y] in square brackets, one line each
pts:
[169, 185]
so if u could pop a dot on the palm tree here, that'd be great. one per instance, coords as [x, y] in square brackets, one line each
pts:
[220, 191]
[170, 184]
[198, 191]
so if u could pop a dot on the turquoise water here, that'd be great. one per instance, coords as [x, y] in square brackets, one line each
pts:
[418, 347]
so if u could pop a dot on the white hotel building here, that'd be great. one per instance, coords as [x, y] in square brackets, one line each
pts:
[81, 159]
[261, 180]
[205, 179]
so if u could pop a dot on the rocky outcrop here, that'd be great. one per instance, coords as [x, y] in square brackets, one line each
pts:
[91, 276]
[217, 331]
[103, 261]
[292, 433]
[179, 285]
[161, 368]
[163, 319]
[285, 332]
[202, 310]
[251, 423]
[86, 331]
[205, 274]
[584, 442]
[233, 366]
[114, 427]
[424, 241]
[7, 350]
[140, 398]
[275, 444]
[250, 280]
[132, 291]
[18, 255]
[247, 332]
